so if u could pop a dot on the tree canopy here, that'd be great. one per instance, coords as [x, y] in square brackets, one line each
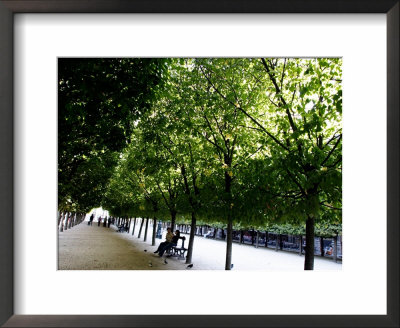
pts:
[99, 101]
[241, 142]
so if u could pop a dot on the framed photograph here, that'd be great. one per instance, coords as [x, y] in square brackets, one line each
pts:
[34, 35]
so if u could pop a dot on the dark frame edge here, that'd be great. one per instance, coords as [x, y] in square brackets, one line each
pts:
[204, 6]
[6, 204]
[393, 167]
[6, 165]
[194, 321]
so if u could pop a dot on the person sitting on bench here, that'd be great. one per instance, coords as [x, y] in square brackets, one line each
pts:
[168, 239]
[329, 251]
[173, 243]
[121, 228]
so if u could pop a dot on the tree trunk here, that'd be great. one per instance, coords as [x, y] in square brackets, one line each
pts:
[309, 249]
[321, 246]
[266, 238]
[191, 239]
[257, 239]
[228, 191]
[335, 252]
[66, 221]
[71, 221]
[58, 219]
[129, 226]
[276, 242]
[153, 240]
[62, 222]
[134, 225]
[173, 219]
[241, 237]
[228, 260]
[145, 230]
[140, 229]
[341, 245]
[301, 246]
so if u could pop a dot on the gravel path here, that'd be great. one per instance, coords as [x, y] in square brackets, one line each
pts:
[98, 248]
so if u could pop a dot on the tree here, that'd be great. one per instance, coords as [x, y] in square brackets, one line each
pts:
[303, 136]
[216, 85]
[98, 103]
[177, 147]
[245, 142]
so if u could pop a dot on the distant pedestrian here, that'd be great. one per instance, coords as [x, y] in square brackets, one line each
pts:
[105, 223]
[91, 219]
[98, 221]
[109, 221]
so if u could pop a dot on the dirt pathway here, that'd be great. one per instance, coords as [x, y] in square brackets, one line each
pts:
[98, 248]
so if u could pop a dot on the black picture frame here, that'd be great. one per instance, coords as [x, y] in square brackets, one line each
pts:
[10, 7]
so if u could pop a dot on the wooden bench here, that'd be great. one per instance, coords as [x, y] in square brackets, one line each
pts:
[178, 251]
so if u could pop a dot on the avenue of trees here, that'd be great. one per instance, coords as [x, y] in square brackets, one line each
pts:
[229, 142]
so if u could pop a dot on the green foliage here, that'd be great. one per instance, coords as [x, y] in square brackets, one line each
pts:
[98, 103]
[254, 141]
